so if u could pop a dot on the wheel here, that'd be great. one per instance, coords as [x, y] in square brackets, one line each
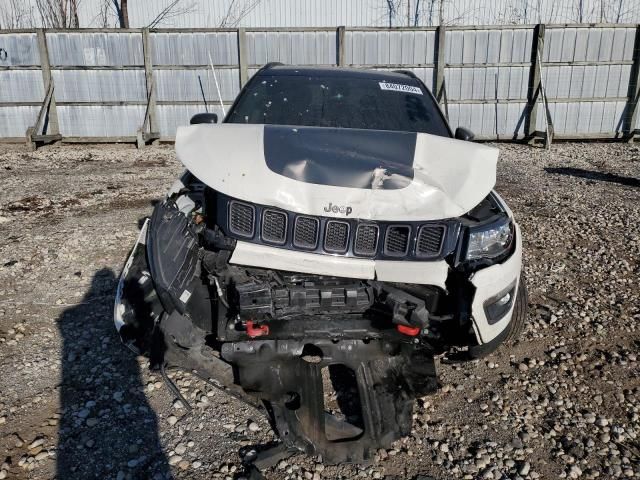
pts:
[519, 317]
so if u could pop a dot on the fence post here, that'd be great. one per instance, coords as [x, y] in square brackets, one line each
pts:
[537, 50]
[150, 114]
[242, 56]
[340, 58]
[633, 92]
[53, 125]
[439, 87]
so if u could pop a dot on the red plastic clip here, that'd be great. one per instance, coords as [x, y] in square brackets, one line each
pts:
[411, 331]
[256, 330]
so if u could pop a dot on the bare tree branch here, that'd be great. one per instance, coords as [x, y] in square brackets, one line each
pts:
[173, 10]
[416, 14]
[106, 16]
[236, 12]
[58, 13]
[227, 14]
[17, 14]
[392, 10]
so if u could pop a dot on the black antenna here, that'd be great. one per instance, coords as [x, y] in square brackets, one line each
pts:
[206, 108]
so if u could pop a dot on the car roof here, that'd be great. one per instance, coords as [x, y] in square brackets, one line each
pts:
[292, 70]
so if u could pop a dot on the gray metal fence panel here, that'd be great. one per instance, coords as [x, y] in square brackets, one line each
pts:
[595, 44]
[100, 120]
[495, 121]
[21, 86]
[194, 48]
[582, 82]
[103, 68]
[101, 83]
[483, 68]
[384, 47]
[487, 83]
[183, 74]
[184, 85]
[95, 49]
[586, 73]
[14, 121]
[292, 47]
[486, 46]
[586, 118]
[19, 49]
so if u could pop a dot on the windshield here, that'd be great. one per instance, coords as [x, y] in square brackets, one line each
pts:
[340, 101]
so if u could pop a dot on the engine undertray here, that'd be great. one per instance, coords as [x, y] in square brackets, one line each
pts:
[287, 376]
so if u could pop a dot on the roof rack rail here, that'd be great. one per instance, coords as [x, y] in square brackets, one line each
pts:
[409, 73]
[269, 65]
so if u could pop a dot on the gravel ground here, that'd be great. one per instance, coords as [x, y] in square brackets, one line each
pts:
[564, 402]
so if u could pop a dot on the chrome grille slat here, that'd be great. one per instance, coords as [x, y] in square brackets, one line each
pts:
[336, 236]
[430, 240]
[396, 241]
[274, 226]
[242, 219]
[305, 232]
[366, 243]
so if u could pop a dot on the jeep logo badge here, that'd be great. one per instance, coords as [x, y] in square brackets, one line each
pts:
[336, 209]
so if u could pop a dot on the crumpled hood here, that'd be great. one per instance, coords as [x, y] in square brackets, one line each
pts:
[366, 174]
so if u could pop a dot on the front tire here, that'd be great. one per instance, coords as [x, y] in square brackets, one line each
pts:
[519, 318]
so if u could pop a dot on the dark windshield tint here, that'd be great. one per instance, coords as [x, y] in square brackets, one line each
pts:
[342, 102]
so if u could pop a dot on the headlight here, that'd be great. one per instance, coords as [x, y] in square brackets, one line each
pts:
[490, 241]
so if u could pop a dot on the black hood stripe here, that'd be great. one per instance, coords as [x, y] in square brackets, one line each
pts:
[341, 157]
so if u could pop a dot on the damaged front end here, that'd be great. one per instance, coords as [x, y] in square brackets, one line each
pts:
[279, 306]
[267, 335]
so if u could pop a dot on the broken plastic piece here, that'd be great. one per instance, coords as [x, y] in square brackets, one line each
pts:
[173, 389]
[410, 331]
[254, 330]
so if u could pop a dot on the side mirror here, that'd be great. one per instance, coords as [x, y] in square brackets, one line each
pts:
[204, 118]
[464, 134]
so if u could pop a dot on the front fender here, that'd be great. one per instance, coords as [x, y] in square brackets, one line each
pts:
[136, 307]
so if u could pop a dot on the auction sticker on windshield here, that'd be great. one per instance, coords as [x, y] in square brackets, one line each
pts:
[398, 87]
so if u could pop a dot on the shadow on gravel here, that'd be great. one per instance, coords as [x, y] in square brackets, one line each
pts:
[107, 429]
[593, 175]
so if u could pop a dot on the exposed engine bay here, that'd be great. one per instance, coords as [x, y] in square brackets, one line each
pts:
[190, 262]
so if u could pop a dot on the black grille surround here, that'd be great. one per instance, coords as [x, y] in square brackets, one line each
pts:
[366, 239]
